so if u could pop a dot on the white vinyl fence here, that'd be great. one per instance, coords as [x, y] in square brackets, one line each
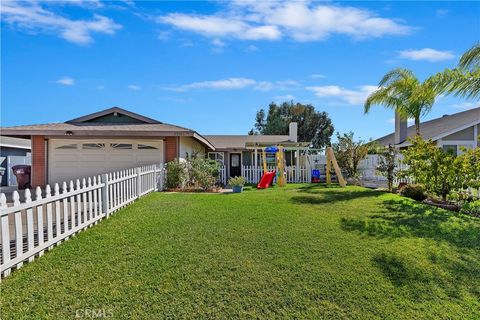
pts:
[31, 227]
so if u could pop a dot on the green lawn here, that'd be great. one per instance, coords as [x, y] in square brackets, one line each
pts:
[300, 252]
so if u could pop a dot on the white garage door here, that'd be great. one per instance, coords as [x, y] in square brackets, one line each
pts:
[72, 159]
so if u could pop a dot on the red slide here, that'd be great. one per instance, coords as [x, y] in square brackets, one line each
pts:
[266, 180]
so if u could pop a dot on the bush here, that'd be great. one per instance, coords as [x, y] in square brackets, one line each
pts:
[203, 173]
[237, 181]
[414, 191]
[176, 174]
[472, 208]
[437, 170]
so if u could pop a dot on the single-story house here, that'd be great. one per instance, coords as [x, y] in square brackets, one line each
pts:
[116, 138]
[237, 150]
[13, 151]
[451, 132]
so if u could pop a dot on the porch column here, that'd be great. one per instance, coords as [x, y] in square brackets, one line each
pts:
[39, 161]
[255, 161]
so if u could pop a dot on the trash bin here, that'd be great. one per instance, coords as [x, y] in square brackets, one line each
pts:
[22, 173]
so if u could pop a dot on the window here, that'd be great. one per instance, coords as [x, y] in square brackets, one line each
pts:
[68, 146]
[121, 146]
[146, 147]
[235, 160]
[217, 156]
[93, 146]
[450, 148]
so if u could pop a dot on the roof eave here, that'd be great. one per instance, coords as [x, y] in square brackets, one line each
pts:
[86, 133]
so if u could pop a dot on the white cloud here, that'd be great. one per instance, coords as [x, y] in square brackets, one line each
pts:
[301, 21]
[441, 13]
[66, 81]
[286, 97]
[218, 43]
[237, 83]
[427, 54]
[410, 121]
[317, 76]
[164, 35]
[225, 84]
[467, 105]
[354, 97]
[213, 26]
[34, 18]
[251, 48]
[134, 87]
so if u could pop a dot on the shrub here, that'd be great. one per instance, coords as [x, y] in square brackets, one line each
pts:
[387, 164]
[237, 181]
[349, 153]
[176, 174]
[414, 191]
[472, 208]
[203, 173]
[437, 170]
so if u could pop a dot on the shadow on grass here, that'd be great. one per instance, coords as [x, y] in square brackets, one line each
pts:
[419, 282]
[334, 196]
[403, 218]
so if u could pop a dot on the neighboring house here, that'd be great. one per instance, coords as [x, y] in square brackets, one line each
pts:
[104, 141]
[236, 150]
[115, 139]
[12, 151]
[451, 132]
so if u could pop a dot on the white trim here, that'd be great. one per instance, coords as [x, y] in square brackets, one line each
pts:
[447, 133]
[217, 152]
[458, 143]
[6, 145]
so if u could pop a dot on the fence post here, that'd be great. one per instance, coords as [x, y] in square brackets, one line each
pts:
[139, 183]
[157, 177]
[105, 199]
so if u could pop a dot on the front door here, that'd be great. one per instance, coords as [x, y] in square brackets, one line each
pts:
[235, 163]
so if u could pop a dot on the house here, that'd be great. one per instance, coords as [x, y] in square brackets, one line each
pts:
[104, 141]
[116, 138]
[450, 132]
[13, 151]
[235, 151]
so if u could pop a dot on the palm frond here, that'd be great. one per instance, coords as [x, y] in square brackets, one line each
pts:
[395, 75]
[471, 58]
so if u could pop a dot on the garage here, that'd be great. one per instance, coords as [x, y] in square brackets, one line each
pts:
[71, 159]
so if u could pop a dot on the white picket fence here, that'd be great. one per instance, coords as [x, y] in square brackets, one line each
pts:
[294, 174]
[31, 227]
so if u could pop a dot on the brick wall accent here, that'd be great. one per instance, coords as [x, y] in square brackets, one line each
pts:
[39, 161]
[171, 148]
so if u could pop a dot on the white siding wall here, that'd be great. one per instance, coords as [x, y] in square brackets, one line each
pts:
[188, 146]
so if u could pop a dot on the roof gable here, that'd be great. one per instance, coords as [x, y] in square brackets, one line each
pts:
[440, 127]
[113, 115]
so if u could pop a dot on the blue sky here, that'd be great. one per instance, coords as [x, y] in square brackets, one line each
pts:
[210, 66]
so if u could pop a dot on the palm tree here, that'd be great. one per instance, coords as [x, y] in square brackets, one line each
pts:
[401, 91]
[463, 81]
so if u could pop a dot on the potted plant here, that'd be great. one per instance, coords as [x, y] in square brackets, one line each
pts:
[237, 184]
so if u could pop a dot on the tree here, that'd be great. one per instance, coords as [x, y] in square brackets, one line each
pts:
[349, 152]
[401, 91]
[463, 81]
[313, 125]
[436, 169]
[387, 164]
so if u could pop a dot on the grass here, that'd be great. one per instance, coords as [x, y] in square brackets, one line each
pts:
[300, 252]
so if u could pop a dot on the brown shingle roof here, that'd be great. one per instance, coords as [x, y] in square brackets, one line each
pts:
[436, 128]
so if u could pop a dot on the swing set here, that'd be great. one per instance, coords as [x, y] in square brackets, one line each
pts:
[275, 155]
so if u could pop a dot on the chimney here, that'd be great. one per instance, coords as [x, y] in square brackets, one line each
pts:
[400, 129]
[293, 131]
